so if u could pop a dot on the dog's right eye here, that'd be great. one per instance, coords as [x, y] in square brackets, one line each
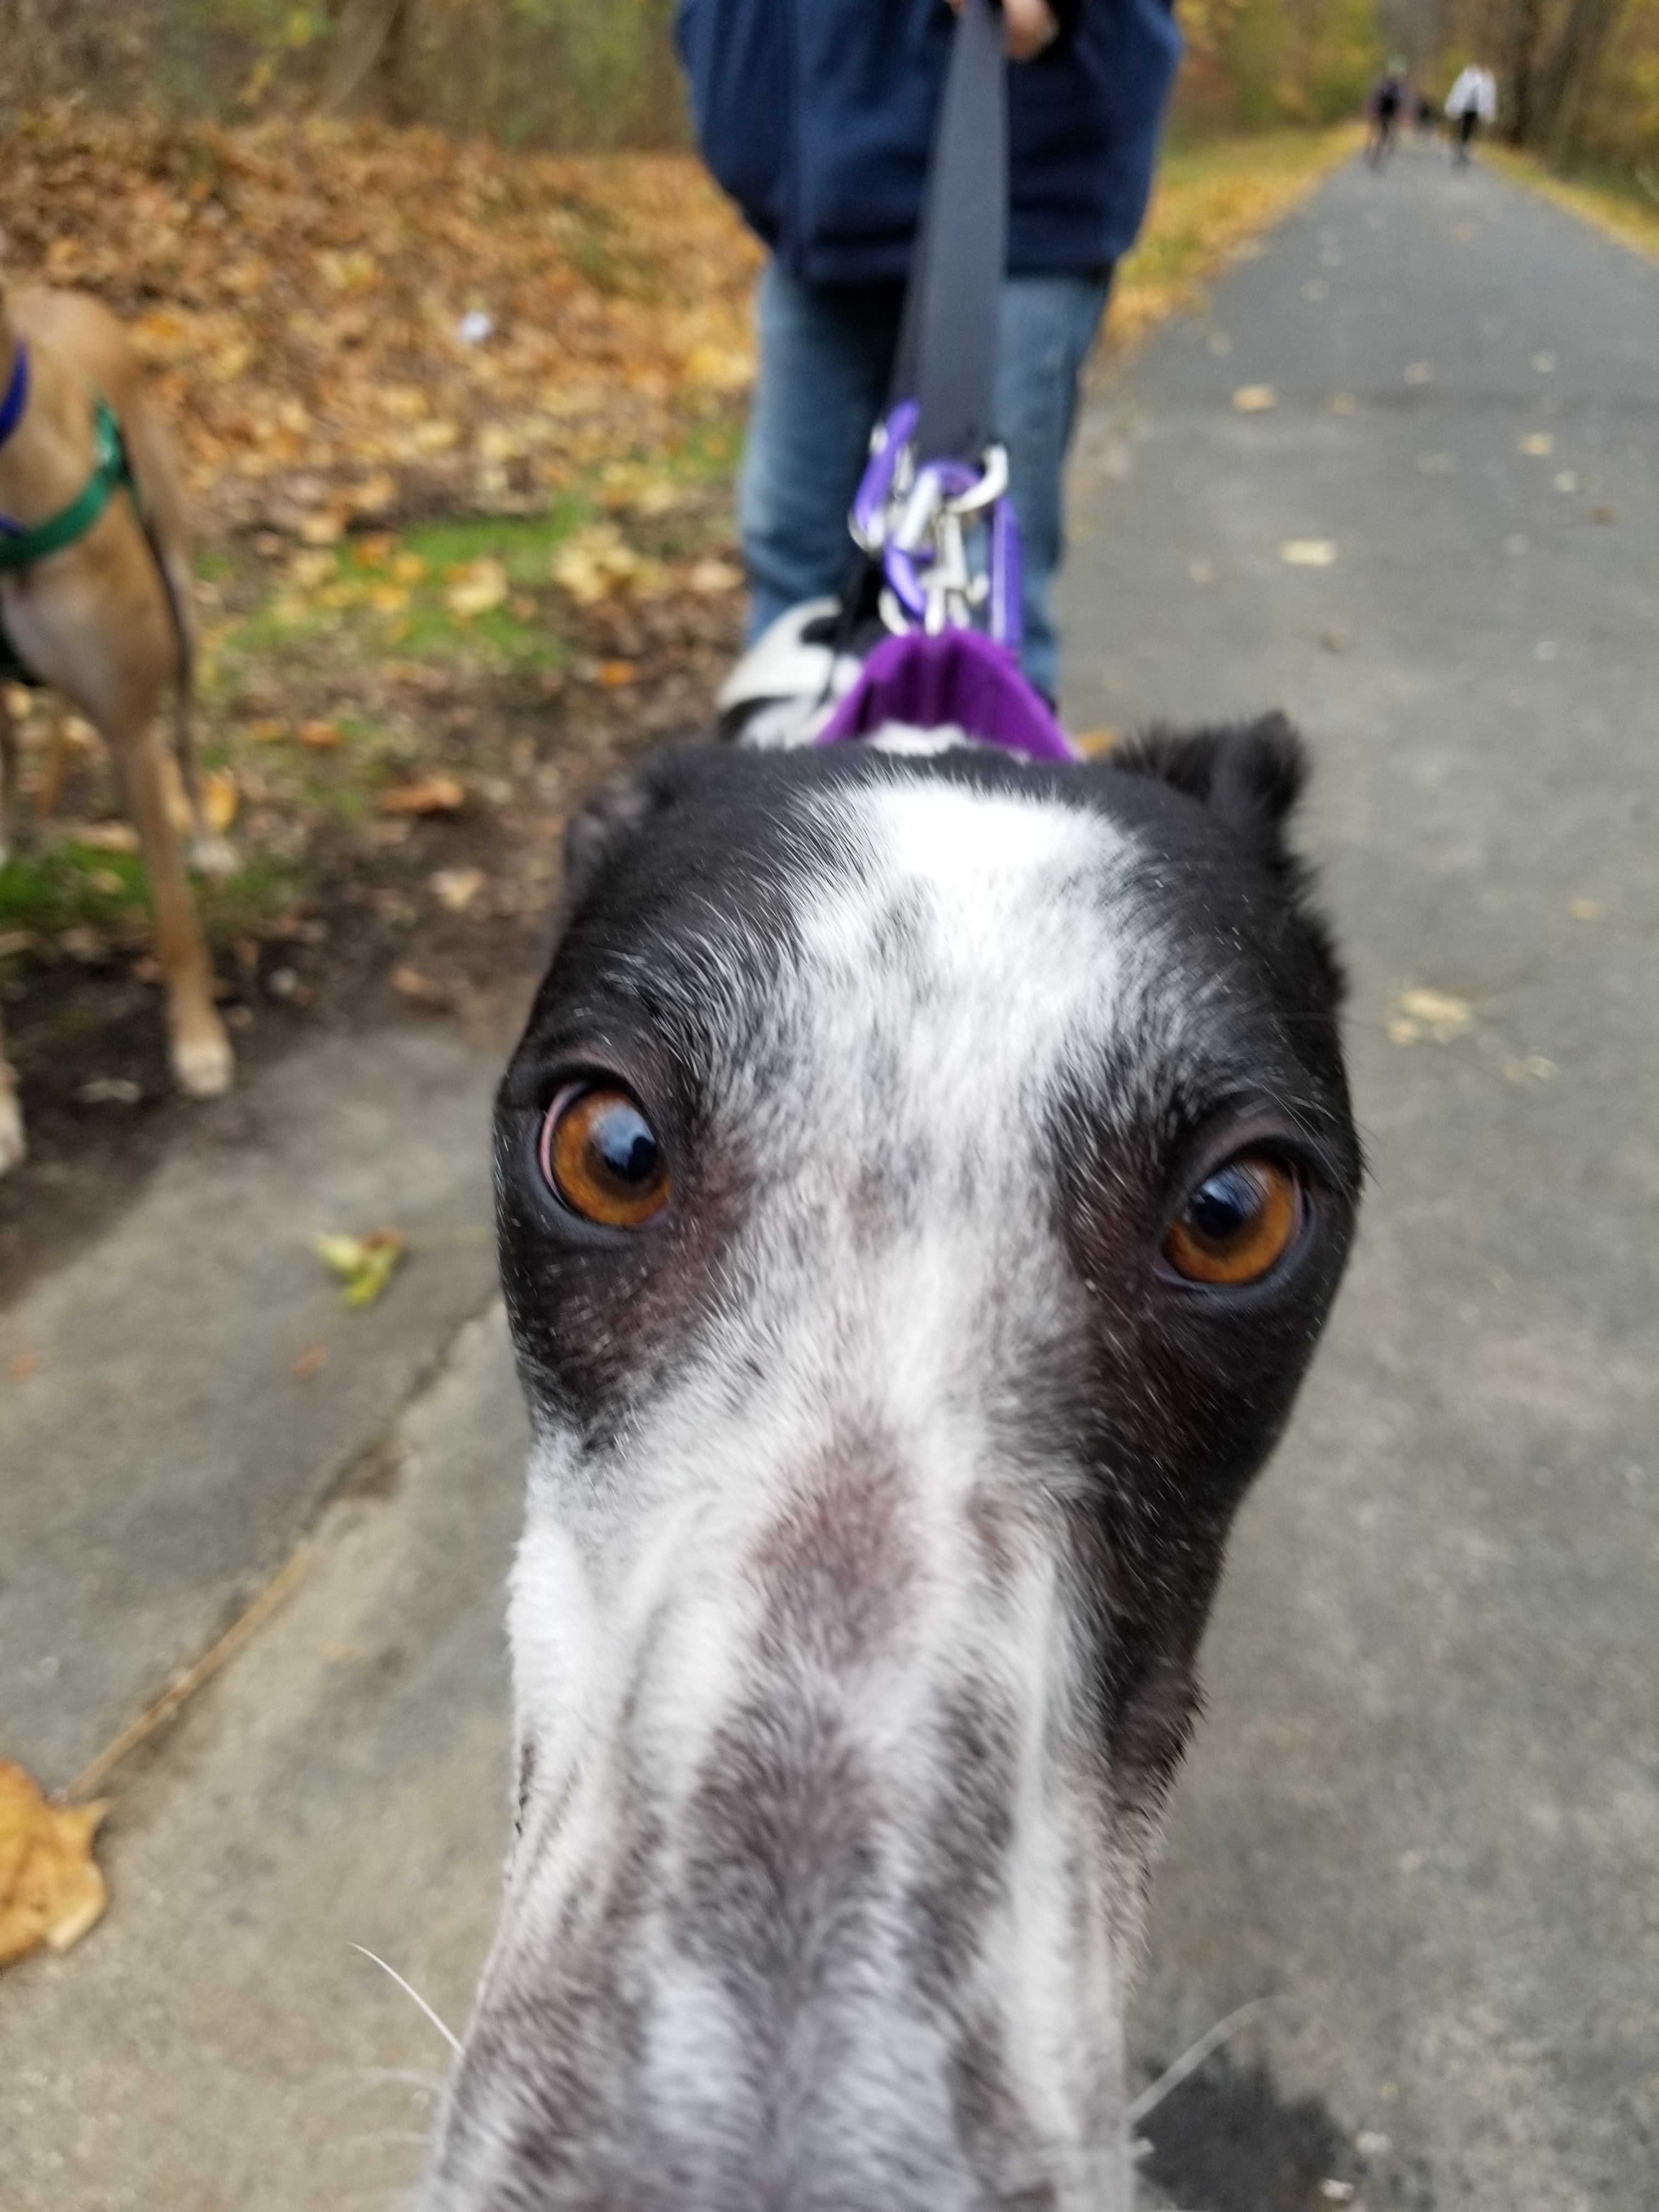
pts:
[601, 1158]
[1239, 1224]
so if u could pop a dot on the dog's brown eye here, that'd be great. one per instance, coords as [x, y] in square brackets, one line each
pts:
[600, 1156]
[1237, 1225]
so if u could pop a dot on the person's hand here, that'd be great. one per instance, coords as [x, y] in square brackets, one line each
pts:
[1032, 27]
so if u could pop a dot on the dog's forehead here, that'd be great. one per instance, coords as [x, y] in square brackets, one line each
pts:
[920, 907]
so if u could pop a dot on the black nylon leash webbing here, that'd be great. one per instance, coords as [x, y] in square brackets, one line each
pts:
[947, 350]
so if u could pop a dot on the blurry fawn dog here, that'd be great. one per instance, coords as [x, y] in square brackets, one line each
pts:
[95, 602]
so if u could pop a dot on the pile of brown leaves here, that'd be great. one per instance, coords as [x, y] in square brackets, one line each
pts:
[350, 321]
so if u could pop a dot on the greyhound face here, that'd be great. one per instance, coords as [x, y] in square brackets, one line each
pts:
[921, 1185]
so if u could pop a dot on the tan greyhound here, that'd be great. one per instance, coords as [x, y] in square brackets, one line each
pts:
[105, 618]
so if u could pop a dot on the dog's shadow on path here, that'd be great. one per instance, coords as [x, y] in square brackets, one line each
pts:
[1227, 2142]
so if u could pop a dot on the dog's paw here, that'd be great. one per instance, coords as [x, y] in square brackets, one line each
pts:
[12, 1146]
[216, 858]
[203, 1065]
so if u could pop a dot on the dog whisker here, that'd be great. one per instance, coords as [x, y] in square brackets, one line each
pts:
[1192, 2058]
[448, 2034]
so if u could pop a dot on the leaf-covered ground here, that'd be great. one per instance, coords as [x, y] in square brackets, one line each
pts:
[458, 429]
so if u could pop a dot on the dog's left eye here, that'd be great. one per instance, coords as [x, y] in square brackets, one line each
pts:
[1239, 1224]
[600, 1156]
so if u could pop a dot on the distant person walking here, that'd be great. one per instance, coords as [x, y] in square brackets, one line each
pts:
[1384, 107]
[1472, 101]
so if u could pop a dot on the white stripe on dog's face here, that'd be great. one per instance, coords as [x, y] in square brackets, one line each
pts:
[850, 1637]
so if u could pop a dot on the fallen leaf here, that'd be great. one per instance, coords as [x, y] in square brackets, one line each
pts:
[1254, 398]
[615, 675]
[365, 1265]
[51, 1889]
[455, 889]
[268, 730]
[1539, 443]
[312, 1361]
[306, 570]
[426, 990]
[711, 579]
[219, 799]
[427, 794]
[478, 587]
[1437, 1012]
[595, 563]
[109, 837]
[1308, 552]
[321, 736]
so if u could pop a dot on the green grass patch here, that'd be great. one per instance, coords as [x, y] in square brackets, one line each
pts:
[70, 886]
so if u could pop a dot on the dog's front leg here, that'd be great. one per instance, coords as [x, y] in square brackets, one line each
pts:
[12, 1147]
[201, 1053]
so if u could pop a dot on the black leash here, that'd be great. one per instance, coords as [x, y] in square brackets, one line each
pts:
[947, 351]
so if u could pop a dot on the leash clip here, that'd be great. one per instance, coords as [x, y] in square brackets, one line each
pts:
[943, 534]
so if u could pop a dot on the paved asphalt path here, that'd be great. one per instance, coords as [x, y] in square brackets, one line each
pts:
[1422, 1817]
[1423, 1813]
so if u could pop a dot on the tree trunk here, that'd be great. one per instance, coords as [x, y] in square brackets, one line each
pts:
[371, 49]
[1573, 65]
[1522, 70]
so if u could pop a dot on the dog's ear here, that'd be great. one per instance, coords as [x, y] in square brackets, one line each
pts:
[596, 835]
[1249, 773]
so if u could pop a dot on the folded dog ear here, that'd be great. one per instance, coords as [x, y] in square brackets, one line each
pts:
[596, 835]
[1249, 773]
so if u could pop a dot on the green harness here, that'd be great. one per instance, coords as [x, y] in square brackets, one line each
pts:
[112, 472]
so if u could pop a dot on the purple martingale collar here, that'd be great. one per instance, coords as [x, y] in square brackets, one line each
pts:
[17, 394]
[957, 680]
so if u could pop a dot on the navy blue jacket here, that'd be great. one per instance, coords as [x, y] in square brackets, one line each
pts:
[818, 115]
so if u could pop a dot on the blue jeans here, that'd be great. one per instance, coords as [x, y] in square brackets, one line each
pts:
[826, 361]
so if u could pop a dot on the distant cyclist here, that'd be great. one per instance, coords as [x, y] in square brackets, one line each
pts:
[1472, 101]
[1385, 106]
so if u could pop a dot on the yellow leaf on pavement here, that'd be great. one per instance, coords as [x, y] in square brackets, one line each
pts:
[365, 1265]
[50, 1890]
[1254, 398]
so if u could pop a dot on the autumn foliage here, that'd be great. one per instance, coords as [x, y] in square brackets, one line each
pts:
[302, 293]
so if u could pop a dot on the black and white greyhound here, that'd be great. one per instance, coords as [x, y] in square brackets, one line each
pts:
[922, 1183]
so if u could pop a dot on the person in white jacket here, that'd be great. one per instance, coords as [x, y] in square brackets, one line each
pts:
[1472, 101]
